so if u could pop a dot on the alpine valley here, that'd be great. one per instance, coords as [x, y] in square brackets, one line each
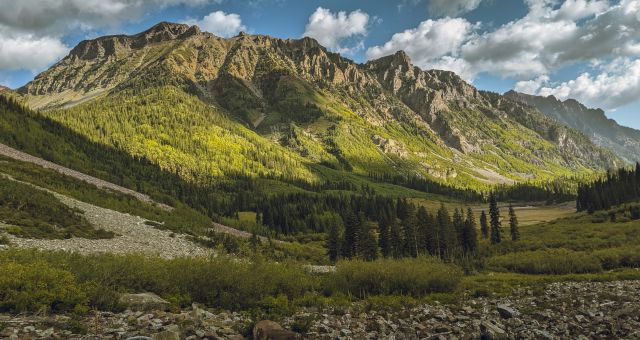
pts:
[174, 184]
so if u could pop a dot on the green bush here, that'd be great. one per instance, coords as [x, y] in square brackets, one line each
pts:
[548, 261]
[627, 256]
[415, 277]
[219, 281]
[38, 286]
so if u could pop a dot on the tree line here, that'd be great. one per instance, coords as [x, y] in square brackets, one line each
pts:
[617, 187]
[400, 229]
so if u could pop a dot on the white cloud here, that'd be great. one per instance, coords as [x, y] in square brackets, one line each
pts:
[531, 86]
[31, 30]
[451, 7]
[28, 52]
[334, 29]
[220, 23]
[434, 43]
[55, 17]
[550, 36]
[617, 84]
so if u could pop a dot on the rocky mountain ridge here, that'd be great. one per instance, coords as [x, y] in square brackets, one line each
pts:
[605, 132]
[407, 120]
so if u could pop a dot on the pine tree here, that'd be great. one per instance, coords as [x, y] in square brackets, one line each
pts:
[494, 215]
[446, 234]
[396, 241]
[351, 230]
[410, 235]
[333, 242]
[469, 234]
[513, 224]
[384, 241]
[458, 223]
[484, 225]
[367, 246]
[425, 231]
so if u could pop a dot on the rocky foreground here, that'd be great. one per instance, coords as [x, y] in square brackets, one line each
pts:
[569, 310]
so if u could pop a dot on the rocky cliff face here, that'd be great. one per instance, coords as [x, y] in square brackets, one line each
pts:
[623, 141]
[432, 122]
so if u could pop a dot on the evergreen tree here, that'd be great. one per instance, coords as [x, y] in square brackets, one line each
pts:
[410, 235]
[458, 223]
[334, 242]
[384, 238]
[425, 231]
[484, 225]
[367, 246]
[351, 230]
[396, 241]
[494, 216]
[469, 234]
[513, 224]
[446, 234]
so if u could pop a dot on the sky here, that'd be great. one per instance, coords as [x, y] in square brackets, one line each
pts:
[587, 50]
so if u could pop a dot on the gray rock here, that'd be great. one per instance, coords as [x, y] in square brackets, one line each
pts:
[167, 335]
[144, 302]
[491, 331]
[269, 330]
[507, 311]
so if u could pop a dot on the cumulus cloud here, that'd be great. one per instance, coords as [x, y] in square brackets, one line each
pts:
[53, 17]
[31, 30]
[434, 43]
[531, 86]
[333, 30]
[220, 23]
[550, 36]
[439, 8]
[617, 84]
[28, 52]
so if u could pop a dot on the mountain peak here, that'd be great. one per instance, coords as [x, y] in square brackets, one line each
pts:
[165, 26]
[393, 61]
[402, 57]
[164, 31]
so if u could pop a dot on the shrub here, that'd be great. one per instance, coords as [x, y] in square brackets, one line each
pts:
[37, 286]
[548, 261]
[627, 256]
[415, 277]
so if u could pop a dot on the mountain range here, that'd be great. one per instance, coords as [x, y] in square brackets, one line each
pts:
[605, 132]
[253, 105]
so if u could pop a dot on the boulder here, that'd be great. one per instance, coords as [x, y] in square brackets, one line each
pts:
[491, 331]
[270, 330]
[167, 335]
[144, 302]
[506, 311]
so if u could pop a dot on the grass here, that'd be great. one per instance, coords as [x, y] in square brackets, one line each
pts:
[55, 281]
[579, 243]
[548, 261]
[414, 277]
[35, 213]
[181, 219]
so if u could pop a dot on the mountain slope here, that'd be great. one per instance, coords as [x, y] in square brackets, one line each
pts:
[200, 105]
[623, 141]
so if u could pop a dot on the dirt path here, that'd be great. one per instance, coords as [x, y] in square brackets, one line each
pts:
[133, 235]
[21, 156]
[220, 228]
